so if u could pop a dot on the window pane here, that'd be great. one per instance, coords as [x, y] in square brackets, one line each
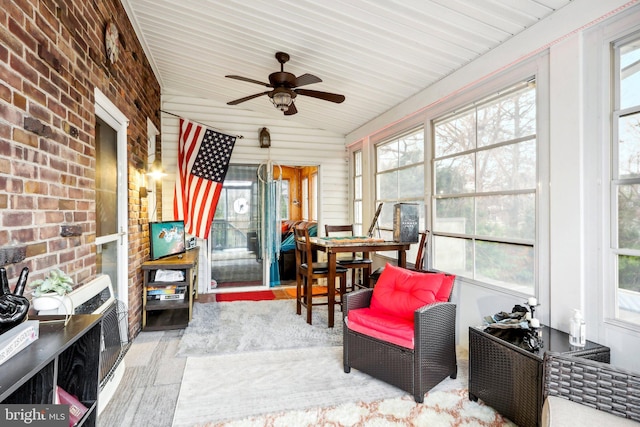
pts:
[385, 220]
[507, 118]
[387, 156]
[453, 255]
[510, 167]
[411, 149]
[411, 182]
[106, 179]
[630, 74]
[107, 260]
[629, 146]
[455, 175]
[507, 216]
[629, 216]
[456, 134]
[357, 192]
[629, 288]
[454, 215]
[284, 199]
[505, 265]
[387, 185]
[357, 184]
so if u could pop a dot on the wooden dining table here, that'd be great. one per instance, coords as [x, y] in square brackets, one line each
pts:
[332, 246]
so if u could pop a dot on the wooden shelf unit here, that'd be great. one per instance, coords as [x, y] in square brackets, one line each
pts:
[68, 357]
[160, 315]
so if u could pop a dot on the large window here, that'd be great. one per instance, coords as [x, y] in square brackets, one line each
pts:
[400, 179]
[484, 189]
[625, 179]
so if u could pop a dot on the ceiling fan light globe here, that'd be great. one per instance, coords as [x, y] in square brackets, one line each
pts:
[282, 100]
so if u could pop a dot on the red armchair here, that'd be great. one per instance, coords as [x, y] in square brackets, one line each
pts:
[402, 331]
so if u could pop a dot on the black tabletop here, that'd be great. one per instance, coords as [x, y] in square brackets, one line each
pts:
[550, 340]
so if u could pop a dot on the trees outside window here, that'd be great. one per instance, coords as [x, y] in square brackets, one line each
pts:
[625, 179]
[400, 179]
[484, 189]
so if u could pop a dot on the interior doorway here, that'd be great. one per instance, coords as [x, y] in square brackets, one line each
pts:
[237, 242]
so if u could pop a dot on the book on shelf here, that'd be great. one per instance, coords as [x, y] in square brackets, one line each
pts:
[76, 408]
[166, 290]
[165, 297]
[18, 338]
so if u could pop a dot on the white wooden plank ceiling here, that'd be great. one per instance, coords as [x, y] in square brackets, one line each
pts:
[376, 53]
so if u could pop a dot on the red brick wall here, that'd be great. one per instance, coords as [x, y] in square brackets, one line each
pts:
[52, 56]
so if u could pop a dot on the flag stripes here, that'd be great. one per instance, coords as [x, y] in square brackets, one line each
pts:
[203, 161]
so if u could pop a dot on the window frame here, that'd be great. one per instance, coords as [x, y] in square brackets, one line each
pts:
[612, 305]
[474, 152]
[387, 231]
[537, 68]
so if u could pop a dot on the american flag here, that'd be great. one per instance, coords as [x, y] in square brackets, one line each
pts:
[203, 161]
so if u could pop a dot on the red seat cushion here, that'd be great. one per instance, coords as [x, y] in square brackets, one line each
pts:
[399, 292]
[393, 329]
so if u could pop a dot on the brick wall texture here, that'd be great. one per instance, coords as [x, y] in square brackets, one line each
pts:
[52, 57]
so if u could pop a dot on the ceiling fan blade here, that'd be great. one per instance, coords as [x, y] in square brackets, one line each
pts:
[306, 79]
[333, 97]
[246, 79]
[246, 98]
[292, 110]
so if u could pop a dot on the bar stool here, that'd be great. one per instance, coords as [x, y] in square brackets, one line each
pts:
[308, 273]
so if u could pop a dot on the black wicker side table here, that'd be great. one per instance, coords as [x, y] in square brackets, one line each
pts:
[509, 378]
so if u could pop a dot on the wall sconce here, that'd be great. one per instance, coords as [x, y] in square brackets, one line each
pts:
[142, 179]
[156, 171]
[264, 138]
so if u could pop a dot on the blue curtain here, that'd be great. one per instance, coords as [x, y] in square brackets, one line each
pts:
[271, 223]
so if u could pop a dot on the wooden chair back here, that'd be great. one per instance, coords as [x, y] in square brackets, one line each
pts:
[303, 247]
[340, 231]
[422, 252]
[347, 230]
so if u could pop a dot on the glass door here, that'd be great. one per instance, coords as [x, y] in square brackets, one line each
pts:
[234, 242]
[111, 195]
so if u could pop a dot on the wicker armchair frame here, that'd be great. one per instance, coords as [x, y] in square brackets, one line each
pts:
[592, 383]
[415, 371]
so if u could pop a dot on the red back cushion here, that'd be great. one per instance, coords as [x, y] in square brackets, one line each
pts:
[400, 292]
[445, 290]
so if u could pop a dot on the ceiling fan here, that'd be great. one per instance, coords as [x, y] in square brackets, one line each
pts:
[286, 88]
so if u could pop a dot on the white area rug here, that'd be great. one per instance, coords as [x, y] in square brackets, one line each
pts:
[257, 363]
[449, 408]
[236, 386]
[240, 326]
